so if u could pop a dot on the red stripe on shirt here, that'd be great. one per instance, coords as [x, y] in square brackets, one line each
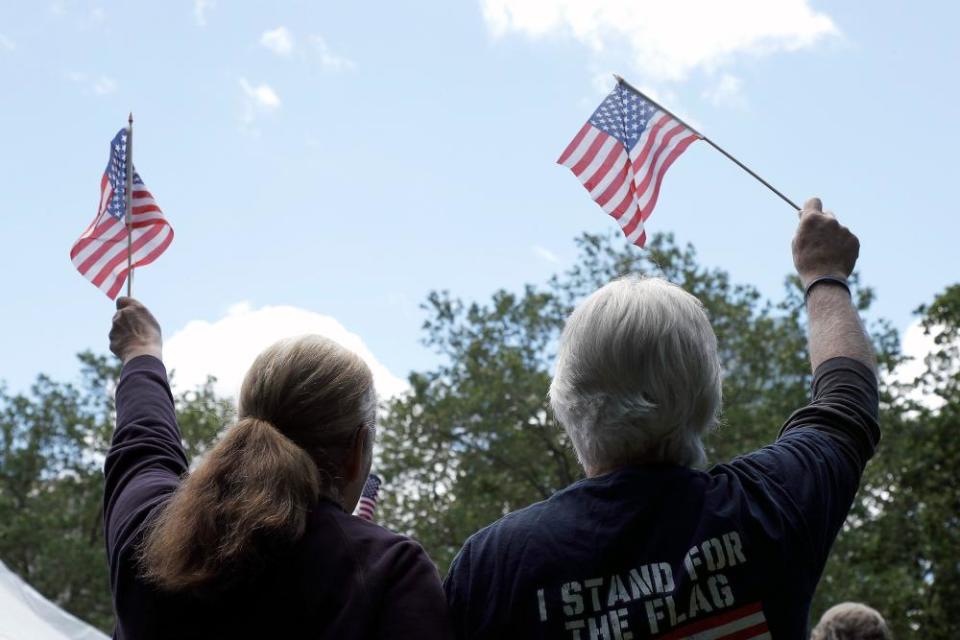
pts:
[714, 621]
[746, 634]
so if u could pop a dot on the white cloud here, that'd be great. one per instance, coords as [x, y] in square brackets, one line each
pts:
[667, 40]
[546, 254]
[200, 10]
[263, 95]
[329, 59]
[279, 41]
[6, 44]
[257, 100]
[727, 92]
[227, 347]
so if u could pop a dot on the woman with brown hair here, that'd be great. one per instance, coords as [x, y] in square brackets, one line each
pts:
[258, 541]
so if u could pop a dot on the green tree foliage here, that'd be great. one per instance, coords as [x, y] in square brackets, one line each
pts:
[52, 445]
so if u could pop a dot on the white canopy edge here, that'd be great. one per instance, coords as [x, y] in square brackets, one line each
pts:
[27, 615]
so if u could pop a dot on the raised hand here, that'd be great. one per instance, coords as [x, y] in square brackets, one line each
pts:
[135, 332]
[822, 246]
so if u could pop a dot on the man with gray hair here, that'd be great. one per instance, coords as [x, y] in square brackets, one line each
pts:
[851, 621]
[647, 545]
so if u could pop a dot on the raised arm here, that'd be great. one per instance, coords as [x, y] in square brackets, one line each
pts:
[824, 446]
[823, 247]
[146, 457]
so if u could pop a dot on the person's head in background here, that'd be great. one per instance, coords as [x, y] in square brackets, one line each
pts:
[637, 377]
[851, 621]
[306, 427]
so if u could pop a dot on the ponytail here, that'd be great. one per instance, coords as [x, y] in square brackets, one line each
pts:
[300, 405]
[255, 486]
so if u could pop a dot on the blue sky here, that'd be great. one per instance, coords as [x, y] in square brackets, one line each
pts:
[326, 165]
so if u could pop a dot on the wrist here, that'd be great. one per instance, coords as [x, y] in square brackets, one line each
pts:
[807, 278]
[142, 350]
[836, 283]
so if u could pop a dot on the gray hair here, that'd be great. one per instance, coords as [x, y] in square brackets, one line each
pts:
[851, 621]
[637, 375]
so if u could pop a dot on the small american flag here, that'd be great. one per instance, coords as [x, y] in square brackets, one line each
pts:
[367, 506]
[100, 255]
[621, 154]
[745, 623]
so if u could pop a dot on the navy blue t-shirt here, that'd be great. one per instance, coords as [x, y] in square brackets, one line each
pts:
[663, 551]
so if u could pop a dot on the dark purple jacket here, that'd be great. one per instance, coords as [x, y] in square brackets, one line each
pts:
[346, 578]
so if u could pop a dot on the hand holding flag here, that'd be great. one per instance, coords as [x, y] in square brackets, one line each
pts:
[135, 331]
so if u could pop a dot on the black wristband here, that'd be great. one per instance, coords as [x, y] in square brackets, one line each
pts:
[831, 279]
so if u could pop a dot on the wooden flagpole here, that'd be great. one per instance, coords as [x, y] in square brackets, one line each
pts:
[711, 143]
[128, 196]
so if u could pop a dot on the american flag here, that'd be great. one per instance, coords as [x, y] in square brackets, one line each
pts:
[367, 506]
[621, 154]
[100, 255]
[745, 623]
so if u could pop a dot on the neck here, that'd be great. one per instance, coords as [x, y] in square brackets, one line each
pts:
[593, 472]
[602, 470]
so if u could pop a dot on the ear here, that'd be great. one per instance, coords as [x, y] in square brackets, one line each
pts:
[355, 458]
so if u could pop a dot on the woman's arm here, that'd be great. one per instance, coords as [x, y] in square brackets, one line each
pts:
[146, 457]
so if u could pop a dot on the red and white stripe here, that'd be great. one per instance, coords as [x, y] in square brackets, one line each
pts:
[100, 254]
[745, 623]
[366, 509]
[625, 183]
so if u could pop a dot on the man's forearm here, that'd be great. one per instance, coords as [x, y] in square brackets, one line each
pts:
[836, 329]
